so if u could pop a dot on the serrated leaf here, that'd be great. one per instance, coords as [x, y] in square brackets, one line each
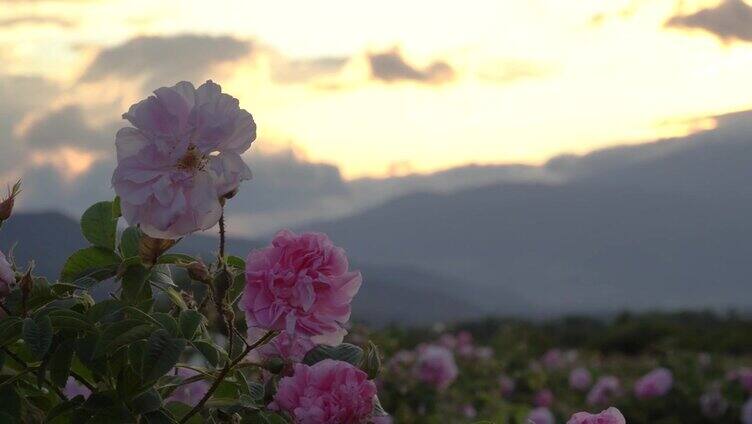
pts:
[111, 332]
[94, 262]
[167, 322]
[236, 262]
[162, 353]
[129, 242]
[60, 363]
[10, 330]
[149, 401]
[99, 225]
[208, 351]
[345, 352]
[189, 323]
[37, 333]
[135, 284]
[104, 310]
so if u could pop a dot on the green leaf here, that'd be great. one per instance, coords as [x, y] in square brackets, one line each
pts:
[60, 363]
[111, 332]
[10, 330]
[189, 323]
[105, 310]
[37, 333]
[159, 417]
[129, 242]
[99, 225]
[173, 258]
[93, 262]
[162, 353]
[70, 320]
[116, 210]
[167, 322]
[236, 262]
[149, 401]
[64, 408]
[345, 352]
[135, 284]
[208, 351]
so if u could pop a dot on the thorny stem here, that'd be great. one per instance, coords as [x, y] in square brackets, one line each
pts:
[226, 370]
[222, 237]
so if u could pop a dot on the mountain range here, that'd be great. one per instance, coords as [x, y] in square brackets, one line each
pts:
[657, 225]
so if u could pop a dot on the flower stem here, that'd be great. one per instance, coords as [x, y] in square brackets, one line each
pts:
[222, 237]
[226, 370]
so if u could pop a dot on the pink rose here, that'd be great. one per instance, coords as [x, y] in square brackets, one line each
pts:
[553, 359]
[7, 278]
[191, 393]
[654, 384]
[580, 379]
[747, 412]
[300, 284]
[605, 389]
[327, 392]
[181, 156]
[435, 366]
[73, 388]
[609, 416]
[506, 385]
[541, 416]
[544, 398]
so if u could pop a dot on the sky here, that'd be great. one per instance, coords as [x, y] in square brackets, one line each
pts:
[344, 90]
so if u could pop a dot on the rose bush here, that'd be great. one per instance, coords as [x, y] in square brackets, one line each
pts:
[168, 342]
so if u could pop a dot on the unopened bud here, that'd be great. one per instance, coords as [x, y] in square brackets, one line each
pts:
[274, 365]
[6, 206]
[198, 272]
[150, 249]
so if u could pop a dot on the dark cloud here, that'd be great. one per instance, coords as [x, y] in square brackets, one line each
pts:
[36, 20]
[391, 66]
[67, 127]
[165, 60]
[731, 19]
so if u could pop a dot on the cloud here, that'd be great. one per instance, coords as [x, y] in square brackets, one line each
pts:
[36, 20]
[512, 70]
[165, 60]
[391, 66]
[67, 127]
[288, 71]
[731, 19]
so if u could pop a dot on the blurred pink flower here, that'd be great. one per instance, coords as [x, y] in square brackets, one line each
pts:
[609, 416]
[580, 379]
[182, 156]
[747, 412]
[384, 419]
[541, 416]
[7, 278]
[713, 404]
[449, 341]
[553, 359]
[506, 385]
[654, 384]
[469, 411]
[435, 366]
[745, 378]
[483, 352]
[73, 388]
[327, 392]
[285, 345]
[191, 393]
[544, 397]
[300, 284]
[605, 389]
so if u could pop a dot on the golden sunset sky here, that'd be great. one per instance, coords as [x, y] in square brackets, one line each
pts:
[394, 86]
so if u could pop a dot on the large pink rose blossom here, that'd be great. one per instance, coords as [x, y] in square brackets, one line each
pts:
[300, 284]
[609, 416]
[191, 393]
[580, 379]
[605, 389]
[7, 278]
[654, 384]
[327, 392]
[435, 366]
[180, 157]
[541, 415]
